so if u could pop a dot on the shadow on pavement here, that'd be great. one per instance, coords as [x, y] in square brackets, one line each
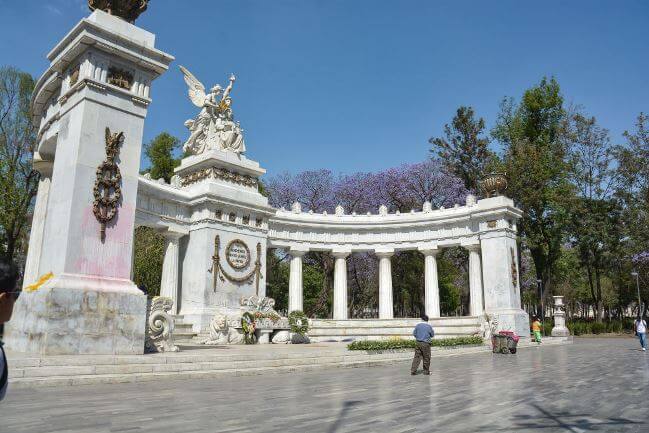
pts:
[563, 421]
[343, 412]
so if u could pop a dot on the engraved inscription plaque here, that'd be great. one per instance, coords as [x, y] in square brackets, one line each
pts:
[237, 254]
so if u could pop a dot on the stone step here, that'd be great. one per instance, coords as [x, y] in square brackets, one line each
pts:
[139, 373]
[187, 366]
[394, 323]
[455, 330]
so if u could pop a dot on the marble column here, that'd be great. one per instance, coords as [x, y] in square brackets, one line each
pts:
[169, 282]
[431, 283]
[340, 285]
[295, 288]
[32, 271]
[475, 281]
[385, 284]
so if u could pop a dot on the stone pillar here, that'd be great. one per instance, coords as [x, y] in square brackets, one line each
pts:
[340, 285]
[385, 285]
[89, 305]
[169, 282]
[500, 279]
[475, 280]
[560, 329]
[32, 264]
[295, 287]
[431, 283]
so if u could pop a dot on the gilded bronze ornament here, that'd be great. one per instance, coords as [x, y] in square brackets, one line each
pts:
[120, 78]
[127, 10]
[108, 190]
[74, 75]
[494, 184]
[514, 269]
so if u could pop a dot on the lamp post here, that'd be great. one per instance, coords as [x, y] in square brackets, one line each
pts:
[540, 284]
[637, 284]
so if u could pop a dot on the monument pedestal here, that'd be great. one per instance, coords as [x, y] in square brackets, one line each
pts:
[76, 314]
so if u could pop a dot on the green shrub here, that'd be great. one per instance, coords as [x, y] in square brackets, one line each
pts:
[399, 343]
[598, 328]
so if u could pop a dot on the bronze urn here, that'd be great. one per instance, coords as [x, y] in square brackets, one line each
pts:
[127, 10]
[493, 184]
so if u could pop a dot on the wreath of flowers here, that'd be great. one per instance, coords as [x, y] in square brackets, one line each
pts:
[298, 322]
[248, 325]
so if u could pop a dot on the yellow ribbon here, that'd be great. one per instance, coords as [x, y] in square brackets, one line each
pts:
[42, 280]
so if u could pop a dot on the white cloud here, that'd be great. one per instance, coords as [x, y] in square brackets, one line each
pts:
[53, 9]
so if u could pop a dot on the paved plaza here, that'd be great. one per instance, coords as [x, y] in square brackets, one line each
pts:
[591, 385]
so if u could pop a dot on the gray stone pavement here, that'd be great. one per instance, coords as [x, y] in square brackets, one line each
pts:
[591, 385]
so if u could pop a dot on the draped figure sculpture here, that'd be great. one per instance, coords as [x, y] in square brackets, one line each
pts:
[214, 127]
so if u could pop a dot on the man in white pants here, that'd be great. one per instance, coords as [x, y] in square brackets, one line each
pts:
[640, 328]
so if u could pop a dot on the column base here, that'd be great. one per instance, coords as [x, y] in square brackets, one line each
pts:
[78, 314]
[558, 331]
[513, 319]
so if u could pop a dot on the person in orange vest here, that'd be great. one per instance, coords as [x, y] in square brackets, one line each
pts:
[536, 329]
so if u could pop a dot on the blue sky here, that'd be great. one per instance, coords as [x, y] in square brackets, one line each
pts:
[360, 85]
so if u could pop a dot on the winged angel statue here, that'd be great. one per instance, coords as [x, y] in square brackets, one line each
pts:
[214, 127]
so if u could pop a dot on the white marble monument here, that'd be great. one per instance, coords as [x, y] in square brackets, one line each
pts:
[89, 108]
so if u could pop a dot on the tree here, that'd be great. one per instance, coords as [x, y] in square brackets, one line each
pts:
[148, 251]
[633, 194]
[533, 134]
[18, 181]
[160, 153]
[464, 150]
[595, 216]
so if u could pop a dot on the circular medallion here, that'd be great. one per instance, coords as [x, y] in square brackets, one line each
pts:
[237, 254]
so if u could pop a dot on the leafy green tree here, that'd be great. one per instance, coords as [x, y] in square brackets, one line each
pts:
[148, 250]
[533, 134]
[18, 181]
[595, 216]
[464, 149]
[160, 153]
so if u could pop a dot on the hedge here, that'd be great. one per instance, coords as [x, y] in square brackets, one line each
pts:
[581, 327]
[399, 343]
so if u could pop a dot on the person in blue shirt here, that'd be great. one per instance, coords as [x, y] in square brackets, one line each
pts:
[423, 333]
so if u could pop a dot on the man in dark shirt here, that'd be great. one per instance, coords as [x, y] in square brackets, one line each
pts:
[8, 276]
[423, 332]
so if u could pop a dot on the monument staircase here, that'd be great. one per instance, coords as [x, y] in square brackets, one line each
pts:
[322, 330]
[183, 332]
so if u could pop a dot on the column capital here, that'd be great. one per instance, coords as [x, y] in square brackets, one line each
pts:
[42, 166]
[427, 251]
[174, 233]
[297, 252]
[472, 247]
[384, 252]
[341, 254]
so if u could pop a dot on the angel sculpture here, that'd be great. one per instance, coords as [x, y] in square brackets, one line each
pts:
[214, 127]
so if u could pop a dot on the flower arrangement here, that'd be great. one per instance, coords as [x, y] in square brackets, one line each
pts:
[249, 326]
[298, 322]
[272, 316]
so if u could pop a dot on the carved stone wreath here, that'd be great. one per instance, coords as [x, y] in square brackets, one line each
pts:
[108, 190]
[228, 254]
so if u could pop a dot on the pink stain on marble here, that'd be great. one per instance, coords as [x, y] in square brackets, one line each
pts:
[112, 258]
